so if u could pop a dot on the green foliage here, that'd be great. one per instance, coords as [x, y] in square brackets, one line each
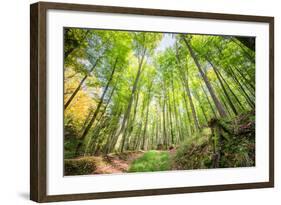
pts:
[151, 161]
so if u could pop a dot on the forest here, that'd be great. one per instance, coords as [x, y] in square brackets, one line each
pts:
[150, 101]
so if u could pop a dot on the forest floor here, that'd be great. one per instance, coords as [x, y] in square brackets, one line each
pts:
[131, 161]
[116, 163]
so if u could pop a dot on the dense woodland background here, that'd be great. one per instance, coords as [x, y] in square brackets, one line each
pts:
[141, 101]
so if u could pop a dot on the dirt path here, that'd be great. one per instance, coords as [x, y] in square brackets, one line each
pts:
[116, 163]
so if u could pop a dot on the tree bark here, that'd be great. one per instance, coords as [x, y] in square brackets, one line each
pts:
[206, 80]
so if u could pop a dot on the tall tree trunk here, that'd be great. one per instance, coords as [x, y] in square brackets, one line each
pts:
[248, 82]
[101, 116]
[128, 110]
[209, 102]
[245, 94]
[239, 71]
[223, 88]
[193, 111]
[145, 127]
[164, 120]
[232, 92]
[97, 109]
[157, 130]
[138, 134]
[201, 106]
[206, 80]
[222, 98]
[146, 117]
[112, 139]
[128, 131]
[185, 81]
[187, 113]
[176, 111]
[170, 119]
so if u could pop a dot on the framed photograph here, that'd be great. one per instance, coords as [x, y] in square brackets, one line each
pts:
[135, 102]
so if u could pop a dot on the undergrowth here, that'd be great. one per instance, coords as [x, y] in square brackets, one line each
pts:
[151, 161]
[236, 148]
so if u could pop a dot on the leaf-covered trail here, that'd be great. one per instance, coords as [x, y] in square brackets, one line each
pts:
[116, 163]
[131, 161]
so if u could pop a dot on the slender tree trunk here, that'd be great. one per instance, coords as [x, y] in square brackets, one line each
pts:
[145, 127]
[248, 82]
[239, 71]
[170, 119]
[157, 130]
[176, 111]
[222, 98]
[168, 128]
[232, 92]
[252, 87]
[248, 99]
[128, 110]
[138, 134]
[131, 124]
[186, 86]
[97, 109]
[164, 120]
[194, 114]
[146, 117]
[113, 139]
[187, 113]
[201, 106]
[101, 116]
[206, 80]
[223, 88]
[209, 102]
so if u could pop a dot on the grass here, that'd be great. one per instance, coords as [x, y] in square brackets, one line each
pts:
[151, 161]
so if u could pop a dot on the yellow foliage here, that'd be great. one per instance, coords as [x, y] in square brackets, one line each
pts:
[82, 103]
